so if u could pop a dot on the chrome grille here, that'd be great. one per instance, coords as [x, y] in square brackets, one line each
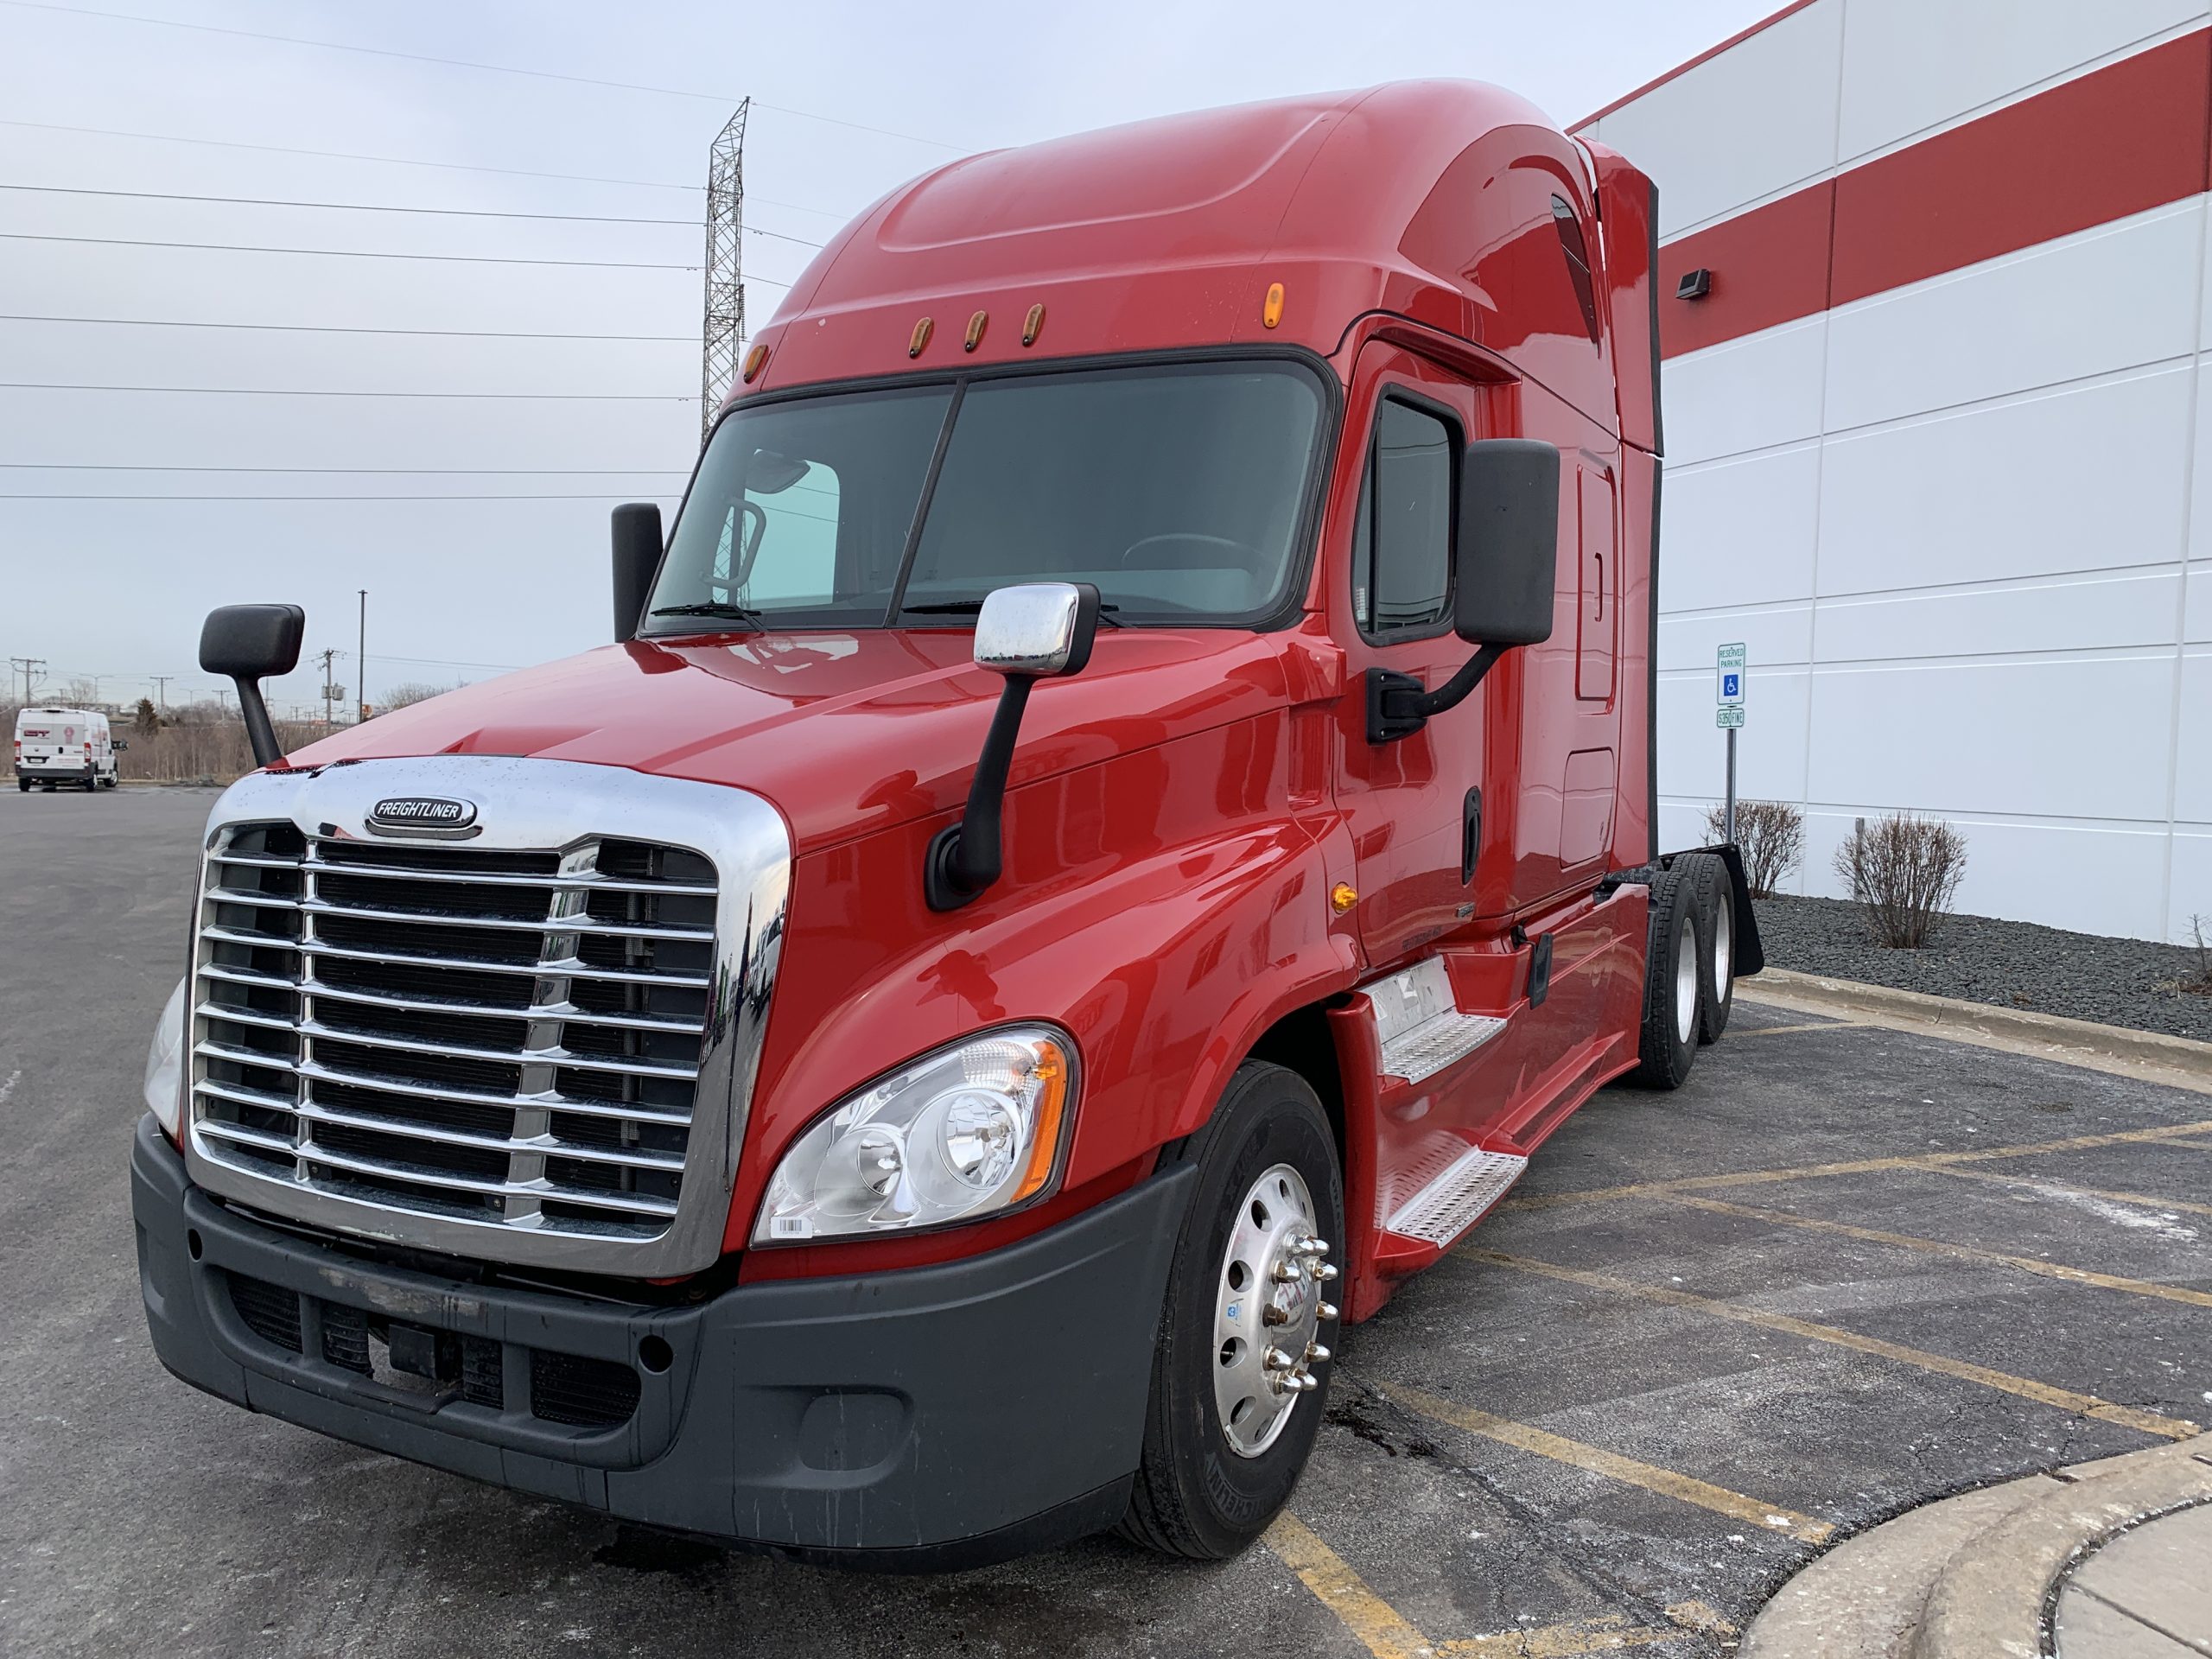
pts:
[511, 1038]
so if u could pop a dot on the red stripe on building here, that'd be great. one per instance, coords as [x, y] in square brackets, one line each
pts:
[2119, 140]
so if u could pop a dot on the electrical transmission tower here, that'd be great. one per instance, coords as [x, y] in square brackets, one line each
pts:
[724, 329]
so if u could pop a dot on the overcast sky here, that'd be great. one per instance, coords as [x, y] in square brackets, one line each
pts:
[99, 584]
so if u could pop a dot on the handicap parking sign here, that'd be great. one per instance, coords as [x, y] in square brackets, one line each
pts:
[1728, 666]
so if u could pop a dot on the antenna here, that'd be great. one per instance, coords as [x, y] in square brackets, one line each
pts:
[723, 330]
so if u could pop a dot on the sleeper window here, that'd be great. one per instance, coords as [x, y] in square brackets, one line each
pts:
[1402, 546]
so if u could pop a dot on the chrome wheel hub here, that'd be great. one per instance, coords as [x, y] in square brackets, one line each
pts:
[1724, 945]
[1268, 1318]
[1686, 977]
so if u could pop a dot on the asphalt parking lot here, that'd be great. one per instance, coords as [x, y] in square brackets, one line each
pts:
[1844, 1271]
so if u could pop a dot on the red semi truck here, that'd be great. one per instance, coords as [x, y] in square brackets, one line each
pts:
[1118, 820]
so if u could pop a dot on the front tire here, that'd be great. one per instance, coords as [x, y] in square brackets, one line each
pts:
[1241, 1368]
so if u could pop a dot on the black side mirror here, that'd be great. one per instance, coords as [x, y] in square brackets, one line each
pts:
[1031, 631]
[247, 644]
[1505, 568]
[1509, 542]
[637, 557]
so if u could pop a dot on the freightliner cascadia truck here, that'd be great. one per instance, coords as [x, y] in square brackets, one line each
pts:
[1118, 819]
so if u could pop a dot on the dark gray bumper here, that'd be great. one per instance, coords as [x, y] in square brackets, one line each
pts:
[935, 1417]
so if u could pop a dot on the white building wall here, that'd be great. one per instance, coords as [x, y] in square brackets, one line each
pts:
[1964, 526]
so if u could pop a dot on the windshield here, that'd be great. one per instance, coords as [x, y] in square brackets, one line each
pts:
[1178, 490]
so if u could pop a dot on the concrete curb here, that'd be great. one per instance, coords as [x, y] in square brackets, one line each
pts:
[1974, 1576]
[2075, 1041]
[1996, 1594]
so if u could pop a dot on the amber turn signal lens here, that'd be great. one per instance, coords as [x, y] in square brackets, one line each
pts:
[1032, 325]
[1271, 312]
[975, 331]
[1342, 897]
[755, 360]
[1052, 1076]
[920, 338]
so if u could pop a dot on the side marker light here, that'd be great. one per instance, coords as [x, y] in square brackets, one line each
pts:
[755, 360]
[1271, 312]
[975, 331]
[919, 339]
[1342, 897]
[1032, 325]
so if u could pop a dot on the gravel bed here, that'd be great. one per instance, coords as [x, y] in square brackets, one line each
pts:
[2013, 964]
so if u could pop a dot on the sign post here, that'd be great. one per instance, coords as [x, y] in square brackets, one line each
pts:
[1728, 715]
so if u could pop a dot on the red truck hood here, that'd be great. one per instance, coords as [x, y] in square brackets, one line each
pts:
[846, 733]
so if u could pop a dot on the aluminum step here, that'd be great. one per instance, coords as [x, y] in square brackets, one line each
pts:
[1421, 1029]
[1459, 1197]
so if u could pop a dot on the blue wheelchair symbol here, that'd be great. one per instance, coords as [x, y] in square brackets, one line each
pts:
[1731, 685]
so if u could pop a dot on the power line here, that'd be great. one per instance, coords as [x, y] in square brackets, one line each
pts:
[466, 63]
[340, 253]
[304, 391]
[379, 472]
[384, 207]
[382, 161]
[332, 328]
[403, 161]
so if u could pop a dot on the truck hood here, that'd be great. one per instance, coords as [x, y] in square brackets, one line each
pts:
[847, 734]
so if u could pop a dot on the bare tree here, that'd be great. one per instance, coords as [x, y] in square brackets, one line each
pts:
[1771, 835]
[413, 692]
[1902, 871]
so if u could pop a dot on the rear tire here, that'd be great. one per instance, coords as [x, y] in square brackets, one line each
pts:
[1673, 982]
[1201, 1493]
[1717, 973]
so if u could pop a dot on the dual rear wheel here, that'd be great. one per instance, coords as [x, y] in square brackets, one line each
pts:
[1689, 968]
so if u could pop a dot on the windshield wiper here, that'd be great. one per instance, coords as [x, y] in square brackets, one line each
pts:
[970, 607]
[711, 608]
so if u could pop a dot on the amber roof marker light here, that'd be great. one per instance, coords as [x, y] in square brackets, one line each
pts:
[755, 360]
[920, 338]
[1271, 312]
[1032, 325]
[976, 326]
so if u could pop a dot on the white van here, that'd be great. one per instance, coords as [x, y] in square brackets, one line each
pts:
[64, 746]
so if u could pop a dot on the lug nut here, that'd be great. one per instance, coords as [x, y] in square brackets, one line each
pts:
[1323, 1273]
[1325, 1311]
[1275, 1360]
[1270, 1314]
[1315, 1353]
[1284, 1272]
[1302, 1383]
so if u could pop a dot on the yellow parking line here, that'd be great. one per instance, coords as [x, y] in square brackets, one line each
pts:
[1607, 1635]
[1857, 1167]
[2086, 1405]
[1938, 1247]
[1684, 1488]
[1378, 1625]
[2148, 1200]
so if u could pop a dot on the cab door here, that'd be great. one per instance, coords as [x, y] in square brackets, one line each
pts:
[1413, 803]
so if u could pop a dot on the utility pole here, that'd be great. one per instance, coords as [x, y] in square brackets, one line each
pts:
[326, 692]
[223, 697]
[162, 687]
[30, 667]
[723, 330]
[361, 664]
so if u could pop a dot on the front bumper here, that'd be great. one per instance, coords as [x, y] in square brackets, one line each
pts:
[938, 1417]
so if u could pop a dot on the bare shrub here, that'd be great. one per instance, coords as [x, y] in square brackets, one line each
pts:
[1901, 872]
[2201, 981]
[1773, 836]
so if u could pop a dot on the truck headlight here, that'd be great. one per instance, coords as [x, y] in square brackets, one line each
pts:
[974, 1129]
[165, 1065]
